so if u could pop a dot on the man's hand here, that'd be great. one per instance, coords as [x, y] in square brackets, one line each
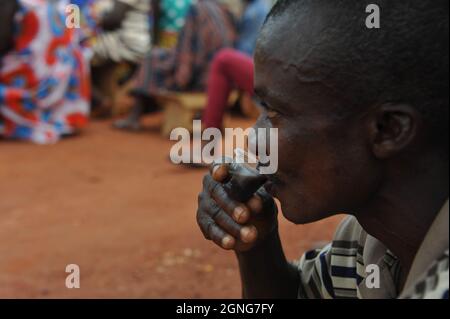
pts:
[230, 224]
[251, 229]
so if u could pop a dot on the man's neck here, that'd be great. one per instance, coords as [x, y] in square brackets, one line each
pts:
[401, 214]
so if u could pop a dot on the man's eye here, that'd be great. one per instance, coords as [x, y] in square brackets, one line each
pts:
[272, 113]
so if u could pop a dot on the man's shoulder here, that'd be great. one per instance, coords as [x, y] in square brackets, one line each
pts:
[434, 282]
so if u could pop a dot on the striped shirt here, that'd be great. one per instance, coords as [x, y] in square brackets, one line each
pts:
[356, 265]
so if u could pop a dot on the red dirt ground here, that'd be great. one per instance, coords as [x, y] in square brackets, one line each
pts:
[112, 203]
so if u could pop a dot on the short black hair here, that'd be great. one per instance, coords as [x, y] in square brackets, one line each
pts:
[406, 60]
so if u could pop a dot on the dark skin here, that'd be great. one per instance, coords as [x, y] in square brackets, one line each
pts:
[375, 164]
[9, 8]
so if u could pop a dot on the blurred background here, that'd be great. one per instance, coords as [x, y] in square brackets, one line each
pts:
[88, 97]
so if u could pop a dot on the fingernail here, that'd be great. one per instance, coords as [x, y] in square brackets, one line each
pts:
[220, 173]
[239, 214]
[248, 234]
[227, 242]
[255, 204]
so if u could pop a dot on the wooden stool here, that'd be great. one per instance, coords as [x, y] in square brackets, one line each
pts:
[108, 85]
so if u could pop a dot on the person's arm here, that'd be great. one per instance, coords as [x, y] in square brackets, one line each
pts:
[7, 12]
[251, 230]
[265, 272]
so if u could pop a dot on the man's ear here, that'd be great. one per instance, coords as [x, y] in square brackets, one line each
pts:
[392, 128]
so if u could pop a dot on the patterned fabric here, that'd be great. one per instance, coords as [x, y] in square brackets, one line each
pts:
[209, 28]
[173, 15]
[251, 22]
[340, 270]
[172, 18]
[435, 283]
[131, 42]
[44, 79]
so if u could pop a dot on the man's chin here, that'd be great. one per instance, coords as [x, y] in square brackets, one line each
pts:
[299, 216]
[293, 208]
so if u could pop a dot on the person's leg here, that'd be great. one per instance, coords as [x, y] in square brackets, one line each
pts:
[101, 103]
[142, 104]
[155, 73]
[230, 69]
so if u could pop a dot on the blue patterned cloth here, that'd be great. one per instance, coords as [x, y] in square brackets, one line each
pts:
[252, 20]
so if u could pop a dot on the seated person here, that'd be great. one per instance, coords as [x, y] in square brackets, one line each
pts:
[124, 32]
[362, 119]
[44, 72]
[122, 38]
[209, 27]
[233, 68]
[230, 70]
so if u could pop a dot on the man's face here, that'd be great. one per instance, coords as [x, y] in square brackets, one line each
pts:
[325, 163]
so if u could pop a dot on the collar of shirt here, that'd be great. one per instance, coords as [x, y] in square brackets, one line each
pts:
[433, 246]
